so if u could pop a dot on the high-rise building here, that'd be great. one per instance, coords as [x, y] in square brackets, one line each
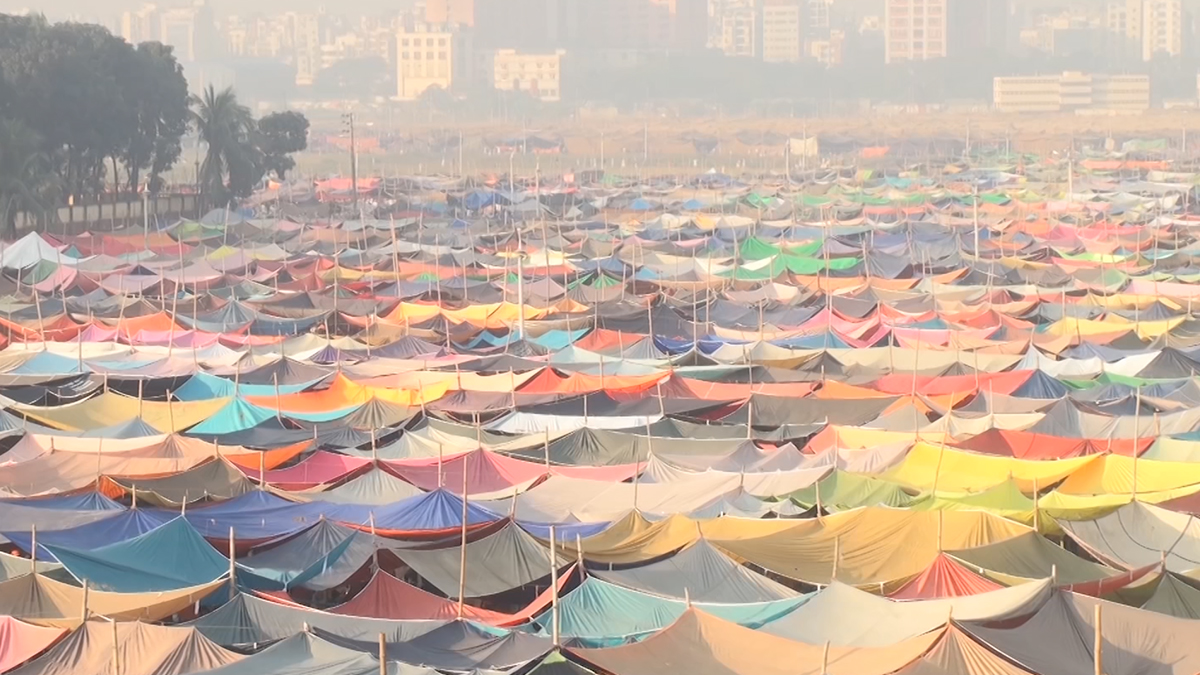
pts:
[1162, 28]
[915, 30]
[1124, 17]
[817, 19]
[782, 31]
[918, 30]
[304, 36]
[141, 25]
[453, 12]
[177, 27]
[738, 33]
[689, 20]
[424, 59]
[977, 29]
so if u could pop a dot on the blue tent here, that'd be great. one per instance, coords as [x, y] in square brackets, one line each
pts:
[205, 387]
[256, 515]
[121, 526]
[166, 558]
[437, 510]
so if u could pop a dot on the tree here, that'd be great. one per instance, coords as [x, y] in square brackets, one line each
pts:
[154, 85]
[233, 164]
[27, 180]
[67, 90]
[280, 135]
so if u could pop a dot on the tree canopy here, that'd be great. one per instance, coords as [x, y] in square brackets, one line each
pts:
[83, 112]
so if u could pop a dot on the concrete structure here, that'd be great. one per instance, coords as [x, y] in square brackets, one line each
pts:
[828, 52]
[738, 33]
[1072, 92]
[141, 25]
[1162, 28]
[1124, 17]
[915, 30]
[177, 27]
[424, 59]
[538, 74]
[304, 35]
[454, 12]
[782, 31]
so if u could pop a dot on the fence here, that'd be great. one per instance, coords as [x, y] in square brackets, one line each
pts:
[107, 215]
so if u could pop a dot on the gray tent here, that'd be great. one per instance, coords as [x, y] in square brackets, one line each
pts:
[499, 562]
[701, 572]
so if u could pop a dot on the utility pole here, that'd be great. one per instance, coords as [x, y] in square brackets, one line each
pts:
[348, 119]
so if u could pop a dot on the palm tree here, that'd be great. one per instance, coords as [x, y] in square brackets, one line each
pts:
[227, 128]
[27, 179]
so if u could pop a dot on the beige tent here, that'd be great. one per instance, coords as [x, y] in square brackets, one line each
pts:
[957, 653]
[702, 644]
[46, 602]
[105, 648]
[112, 408]
[845, 616]
[868, 546]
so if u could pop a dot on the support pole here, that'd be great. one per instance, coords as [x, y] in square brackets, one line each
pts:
[383, 669]
[1098, 647]
[462, 554]
[232, 567]
[553, 589]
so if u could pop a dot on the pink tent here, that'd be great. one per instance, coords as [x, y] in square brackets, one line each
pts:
[387, 597]
[491, 473]
[20, 641]
[320, 468]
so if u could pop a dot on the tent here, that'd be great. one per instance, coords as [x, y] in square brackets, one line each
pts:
[1060, 638]
[702, 572]
[843, 615]
[496, 562]
[598, 613]
[698, 642]
[46, 602]
[131, 648]
[386, 597]
[20, 641]
[944, 578]
[167, 558]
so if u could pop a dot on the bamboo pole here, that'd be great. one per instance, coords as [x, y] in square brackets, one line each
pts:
[462, 553]
[553, 589]
[1098, 646]
[232, 567]
[383, 669]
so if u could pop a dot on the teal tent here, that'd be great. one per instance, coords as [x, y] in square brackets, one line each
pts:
[166, 558]
[599, 614]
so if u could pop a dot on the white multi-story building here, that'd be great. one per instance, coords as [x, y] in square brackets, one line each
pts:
[1072, 92]
[739, 27]
[915, 30]
[424, 59]
[1162, 28]
[540, 75]
[303, 35]
[782, 31]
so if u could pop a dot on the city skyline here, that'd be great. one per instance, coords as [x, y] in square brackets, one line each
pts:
[546, 48]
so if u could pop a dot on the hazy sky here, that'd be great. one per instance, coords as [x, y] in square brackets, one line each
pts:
[107, 10]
